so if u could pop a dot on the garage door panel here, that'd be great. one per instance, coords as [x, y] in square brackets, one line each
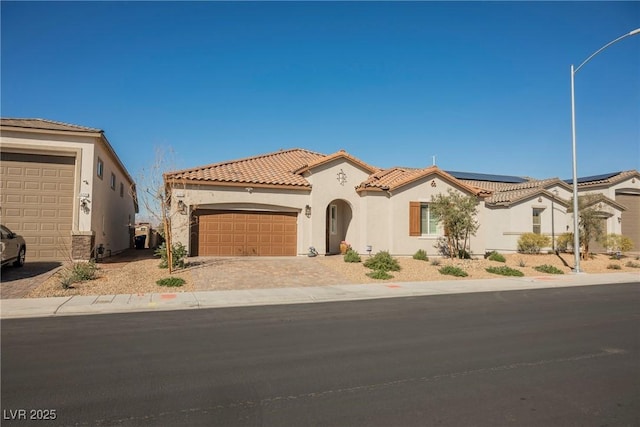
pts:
[631, 217]
[37, 202]
[246, 233]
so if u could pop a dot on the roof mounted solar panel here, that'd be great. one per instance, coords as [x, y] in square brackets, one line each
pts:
[602, 177]
[487, 177]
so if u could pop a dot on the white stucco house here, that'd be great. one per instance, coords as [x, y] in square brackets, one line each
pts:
[284, 202]
[64, 189]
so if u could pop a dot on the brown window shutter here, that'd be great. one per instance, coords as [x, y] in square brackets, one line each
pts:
[414, 219]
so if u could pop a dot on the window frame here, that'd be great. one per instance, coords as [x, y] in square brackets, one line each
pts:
[100, 168]
[112, 181]
[122, 189]
[536, 220]
[333, 219]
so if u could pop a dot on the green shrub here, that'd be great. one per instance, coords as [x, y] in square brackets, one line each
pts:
[421, 255]
[633, 264]
[179, 252]
[495, 256]
[171, 282]
[531, 243]
[450, 270]
[382, 261]
[617, 242]
[614, 267]
[503, 270]
[564, 241]
[545, 268]
[435, 262]
[463, 254]
[78, 272]
[379, 274]
[351, 256]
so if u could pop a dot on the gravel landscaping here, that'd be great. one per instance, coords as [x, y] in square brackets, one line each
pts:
[139, 276]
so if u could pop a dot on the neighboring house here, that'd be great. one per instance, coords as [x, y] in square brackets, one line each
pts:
[64, 189]
[284, 202]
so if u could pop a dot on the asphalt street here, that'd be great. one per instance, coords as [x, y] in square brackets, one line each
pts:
[550, 357]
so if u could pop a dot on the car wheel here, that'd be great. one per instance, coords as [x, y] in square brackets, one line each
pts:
[21, 256]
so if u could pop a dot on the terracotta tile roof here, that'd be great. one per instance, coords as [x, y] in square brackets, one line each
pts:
[45, 125]
[342, 154]
[277, 168]
[394, 178]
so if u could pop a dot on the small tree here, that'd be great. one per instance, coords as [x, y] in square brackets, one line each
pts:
[456, 213]
[590, 224]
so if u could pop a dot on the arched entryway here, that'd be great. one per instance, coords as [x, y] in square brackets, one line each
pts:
[338, 219]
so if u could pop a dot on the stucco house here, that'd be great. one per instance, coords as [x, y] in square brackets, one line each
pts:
[284, 202]
[64, 189]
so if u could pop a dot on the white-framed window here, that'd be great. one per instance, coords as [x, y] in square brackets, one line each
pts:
[112, 182]
[428, 221]
[537, 220]
[100, 168]
[333, 219]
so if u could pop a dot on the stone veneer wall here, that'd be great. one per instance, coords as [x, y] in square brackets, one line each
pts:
[82, 246]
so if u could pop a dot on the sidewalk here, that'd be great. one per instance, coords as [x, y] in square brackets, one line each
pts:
[103, 304]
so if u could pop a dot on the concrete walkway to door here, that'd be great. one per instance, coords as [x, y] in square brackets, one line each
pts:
[233, 273]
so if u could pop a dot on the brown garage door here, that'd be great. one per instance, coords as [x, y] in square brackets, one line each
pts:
[243, 233]
[37, 202]
[631, 217]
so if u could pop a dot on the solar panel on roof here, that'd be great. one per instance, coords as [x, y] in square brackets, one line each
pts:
[486, 177]
[593, 178]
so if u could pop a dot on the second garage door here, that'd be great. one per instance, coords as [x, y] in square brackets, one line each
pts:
[243, 233]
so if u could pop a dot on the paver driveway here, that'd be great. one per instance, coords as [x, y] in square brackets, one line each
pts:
[215, 273]
[17, 282]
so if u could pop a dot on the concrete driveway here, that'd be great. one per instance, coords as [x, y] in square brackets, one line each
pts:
[17, 282]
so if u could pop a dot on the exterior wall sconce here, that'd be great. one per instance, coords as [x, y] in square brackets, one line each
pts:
[307, 211]
[619, 220]
[182, 208]
[249, 189]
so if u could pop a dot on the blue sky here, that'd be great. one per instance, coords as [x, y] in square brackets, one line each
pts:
[483, 86]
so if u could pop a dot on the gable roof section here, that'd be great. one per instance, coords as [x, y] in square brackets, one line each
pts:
[271, 169]
[598, 198]
[43, 124]
[342, 154]
[394, 178]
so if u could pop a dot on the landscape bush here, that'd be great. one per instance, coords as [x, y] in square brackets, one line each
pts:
[546, 268]
[503, 270]
[171, 282]
[351, 256]
[450, 270]
[495, 256]
[379, 274]
[633, 264]
[564, 242]
[532, 243]
[435, 262]
[421, 255]
[617, 242]
[178, 252]
[614, 267]
[521, 263]
[382, 261]
[78, 272]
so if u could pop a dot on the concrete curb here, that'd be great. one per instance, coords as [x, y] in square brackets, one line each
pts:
[104, 304]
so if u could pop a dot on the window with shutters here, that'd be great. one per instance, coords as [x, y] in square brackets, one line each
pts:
[422, 222]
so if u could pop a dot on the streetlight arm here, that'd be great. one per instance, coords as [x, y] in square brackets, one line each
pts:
[631, 33]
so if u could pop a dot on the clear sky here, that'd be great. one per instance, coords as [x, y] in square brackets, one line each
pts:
[483, 86]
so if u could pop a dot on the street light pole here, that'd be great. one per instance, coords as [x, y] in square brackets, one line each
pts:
[576, 232]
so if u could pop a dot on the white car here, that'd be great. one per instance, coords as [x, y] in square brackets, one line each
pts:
[13, 248]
